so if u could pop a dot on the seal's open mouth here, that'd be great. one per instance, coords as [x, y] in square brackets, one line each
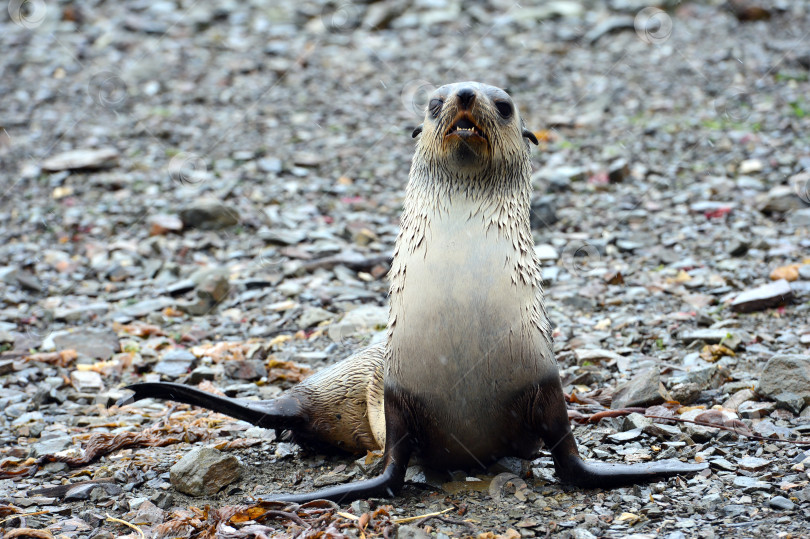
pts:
[464, 126]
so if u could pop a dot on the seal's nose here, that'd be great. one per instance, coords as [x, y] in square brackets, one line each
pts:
[466, 96]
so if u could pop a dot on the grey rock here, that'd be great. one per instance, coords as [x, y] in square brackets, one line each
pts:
[312, 316]
[753, 464]
[543, 212]
[786, 373]
[209, 214]
[780, 502]
[626, 436]
[406, 531]
[201, 373]
[81, 159]
[204, 471]
[781, 199]
[245, 369]
[175, 363]
[50, 446]
[789, 401]
[685, 393]
[283, 236]
[618, 171]
[728, 337]
[613, 24]
[755, 410]
[546, 252]
[86, 381]
[799, 218]
[751, 484]
[142, 308]
[738, 398]
[362, 320]
[763, 297]
[331, 478]
[95, 343]
[644, 389]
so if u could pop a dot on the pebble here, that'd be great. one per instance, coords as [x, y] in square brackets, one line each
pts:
[751, 484]
[204, 471]
[546, 253]
[362, 320]
[86, 381]
[730, 338]
[786, 373]
[763, 297]
[81, 159]
[175, 363]
[782, 503]
[94, 343]
[209, 215]
[644, 389]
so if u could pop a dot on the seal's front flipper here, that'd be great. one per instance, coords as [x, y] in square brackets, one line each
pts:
[583, 474]
[398, 449]
[551, 420]
[282, 413]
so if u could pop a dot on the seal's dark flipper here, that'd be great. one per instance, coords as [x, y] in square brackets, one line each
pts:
[583, 474]
[551, 420]
[281, 413]
[398, 450]
[385, 485]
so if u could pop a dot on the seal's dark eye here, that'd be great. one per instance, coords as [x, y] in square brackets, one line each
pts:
[435, 107]
[504, 109]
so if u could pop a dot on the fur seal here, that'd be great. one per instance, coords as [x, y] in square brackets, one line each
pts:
[467, 374]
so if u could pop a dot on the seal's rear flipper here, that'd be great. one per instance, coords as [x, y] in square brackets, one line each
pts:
[281, 413]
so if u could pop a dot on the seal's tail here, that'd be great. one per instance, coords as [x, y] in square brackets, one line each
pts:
[281, 413]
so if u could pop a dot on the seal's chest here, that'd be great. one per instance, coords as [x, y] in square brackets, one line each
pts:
[460, 312]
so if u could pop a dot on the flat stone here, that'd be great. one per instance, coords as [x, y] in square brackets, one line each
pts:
[142, 308]
[86, 381]
[763, 297]
[753, 464]
[546, 252]
[738, 398]
[283, 236]
[730, 338]
[95, 343]
[644, 389]
[751, 484]
[204, 471]
[162, 224]
[786, 373]
[50, 446]
[626, 436]
[755, 410]
[722, 464]
[175, 363]
[81, 159]
[312, 316]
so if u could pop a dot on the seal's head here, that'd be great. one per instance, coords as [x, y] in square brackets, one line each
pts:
[470, 125]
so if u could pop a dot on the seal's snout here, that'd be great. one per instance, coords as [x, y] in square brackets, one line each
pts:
[466, 98]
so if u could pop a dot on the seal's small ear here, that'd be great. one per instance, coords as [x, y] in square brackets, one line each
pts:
[529, 135]
[417, 131]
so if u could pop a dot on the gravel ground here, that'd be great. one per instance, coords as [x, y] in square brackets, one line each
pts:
[236, 173]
